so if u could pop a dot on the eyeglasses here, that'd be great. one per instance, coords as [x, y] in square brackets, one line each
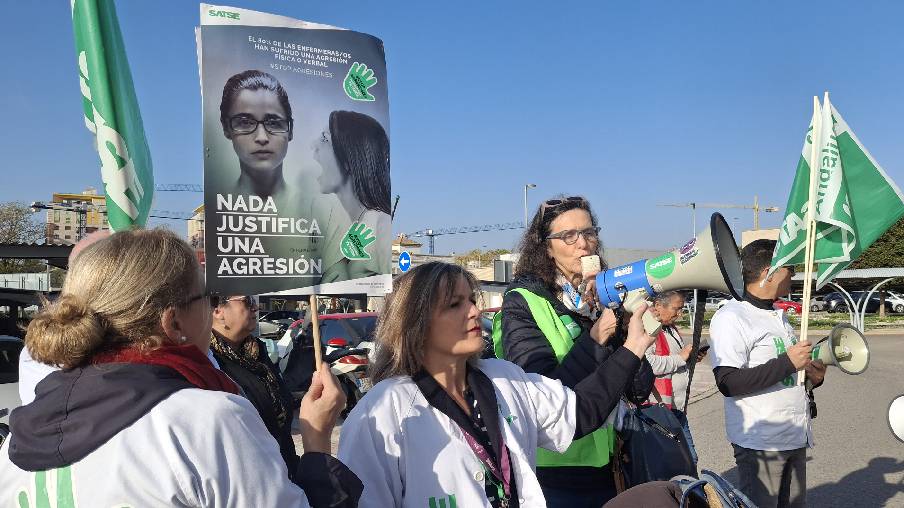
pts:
[554, 203]
[570, 236]
[247, 300]
[246, 124]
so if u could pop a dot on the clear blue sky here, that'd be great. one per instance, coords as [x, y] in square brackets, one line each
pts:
[628, 103]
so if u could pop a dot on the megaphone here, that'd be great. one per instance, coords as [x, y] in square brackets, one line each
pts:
[845, 347]
[710, 261]
[896, 417]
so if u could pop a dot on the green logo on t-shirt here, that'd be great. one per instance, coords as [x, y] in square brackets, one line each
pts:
[432, 502]
[780, 350]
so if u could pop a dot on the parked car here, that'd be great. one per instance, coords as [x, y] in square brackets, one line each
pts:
[788, 306]
[347, 340]
[895, 300]
[818, 303]
[10, 347]
[272, 323]
[839, 304]
[715, 302]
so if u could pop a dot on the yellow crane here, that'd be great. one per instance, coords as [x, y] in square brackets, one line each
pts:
[756, 207]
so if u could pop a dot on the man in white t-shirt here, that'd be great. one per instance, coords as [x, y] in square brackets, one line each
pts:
[755, 358]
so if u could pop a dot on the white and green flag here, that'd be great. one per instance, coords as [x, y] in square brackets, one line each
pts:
[855, 201]
[111, 113]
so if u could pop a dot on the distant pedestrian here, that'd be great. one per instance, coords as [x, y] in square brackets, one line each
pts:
[668, 357]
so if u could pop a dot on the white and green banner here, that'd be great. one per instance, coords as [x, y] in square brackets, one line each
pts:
[854, 200]
[111, 113]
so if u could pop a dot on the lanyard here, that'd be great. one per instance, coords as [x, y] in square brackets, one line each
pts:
[505, 476]
[573, 294]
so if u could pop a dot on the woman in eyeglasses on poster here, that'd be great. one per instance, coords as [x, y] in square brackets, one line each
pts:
[243, 357]
[256, 116]
[550, 325]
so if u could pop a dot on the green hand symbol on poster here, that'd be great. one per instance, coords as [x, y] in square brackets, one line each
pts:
[355, 240]
[358, 80]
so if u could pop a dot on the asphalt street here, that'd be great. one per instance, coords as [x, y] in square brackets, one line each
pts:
[856, 461]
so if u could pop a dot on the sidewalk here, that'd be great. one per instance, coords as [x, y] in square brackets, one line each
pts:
[704, 383]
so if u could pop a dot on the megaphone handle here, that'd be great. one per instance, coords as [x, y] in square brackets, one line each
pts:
[650, 324]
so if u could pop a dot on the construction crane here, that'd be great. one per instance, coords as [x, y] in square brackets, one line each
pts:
[82, 210]
[431, 234]
[178, 187]
[756, 209]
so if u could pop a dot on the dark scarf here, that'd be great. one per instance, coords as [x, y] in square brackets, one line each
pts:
[188, 361]
[248, 357]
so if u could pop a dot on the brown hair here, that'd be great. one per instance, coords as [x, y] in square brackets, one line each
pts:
[114, 295]
[534, 259]
[404, 323]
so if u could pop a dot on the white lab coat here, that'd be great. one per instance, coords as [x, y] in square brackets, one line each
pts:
[409, 454]
[196, 448]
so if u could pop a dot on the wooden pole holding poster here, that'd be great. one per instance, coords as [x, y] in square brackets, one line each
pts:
[315, 327]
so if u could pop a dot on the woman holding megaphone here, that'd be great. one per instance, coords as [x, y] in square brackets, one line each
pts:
[550, 325]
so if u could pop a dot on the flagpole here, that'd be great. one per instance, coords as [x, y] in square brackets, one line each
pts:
[811, 226]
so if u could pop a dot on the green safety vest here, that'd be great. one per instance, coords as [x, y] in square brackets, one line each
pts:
[593, 449]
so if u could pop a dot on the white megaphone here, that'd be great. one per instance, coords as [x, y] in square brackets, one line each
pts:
[709, 261]
[845, 347]
[896, 417]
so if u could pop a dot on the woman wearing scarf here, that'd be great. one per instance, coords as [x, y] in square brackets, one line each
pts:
[441, 428]
[137, 415]
[243, 358]
[550, 325]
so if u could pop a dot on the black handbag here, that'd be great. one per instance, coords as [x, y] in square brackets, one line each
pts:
[652, 445]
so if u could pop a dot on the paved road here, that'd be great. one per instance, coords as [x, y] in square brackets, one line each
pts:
[856, 461]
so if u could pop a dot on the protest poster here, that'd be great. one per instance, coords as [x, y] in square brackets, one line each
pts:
[296, 156]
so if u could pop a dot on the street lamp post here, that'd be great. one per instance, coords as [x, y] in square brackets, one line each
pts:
[527, 186]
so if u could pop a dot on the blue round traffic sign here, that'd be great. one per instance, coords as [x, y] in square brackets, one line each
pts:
[404, 261]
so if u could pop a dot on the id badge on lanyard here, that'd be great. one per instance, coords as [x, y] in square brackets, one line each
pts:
[502, 474]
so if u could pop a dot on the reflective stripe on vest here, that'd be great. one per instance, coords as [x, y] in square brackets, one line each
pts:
[591, 450]
[664, 383]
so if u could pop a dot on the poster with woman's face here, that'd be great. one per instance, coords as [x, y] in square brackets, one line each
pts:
[296, 156]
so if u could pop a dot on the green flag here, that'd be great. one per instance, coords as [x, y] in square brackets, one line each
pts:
[854, 200]
[111, 113]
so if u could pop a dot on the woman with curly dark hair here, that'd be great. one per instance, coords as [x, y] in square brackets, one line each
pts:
[550, 325]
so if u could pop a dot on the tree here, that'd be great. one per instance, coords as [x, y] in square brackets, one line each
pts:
[886, 251]
[17, 226]
[482, 258]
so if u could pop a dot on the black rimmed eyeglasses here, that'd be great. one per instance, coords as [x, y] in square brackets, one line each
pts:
[246, 124]
[570, 236]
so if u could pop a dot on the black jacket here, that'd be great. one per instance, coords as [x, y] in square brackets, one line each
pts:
[525, 345]
[255, 390]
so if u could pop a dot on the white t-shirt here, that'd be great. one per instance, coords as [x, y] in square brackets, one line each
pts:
[777, 418]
